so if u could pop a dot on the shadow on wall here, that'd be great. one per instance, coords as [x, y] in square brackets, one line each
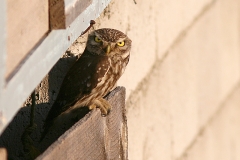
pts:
[46, 93]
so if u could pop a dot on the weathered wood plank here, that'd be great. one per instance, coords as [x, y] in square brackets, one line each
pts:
[94, 136]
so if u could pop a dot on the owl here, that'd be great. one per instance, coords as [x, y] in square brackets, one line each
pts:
[92, 76]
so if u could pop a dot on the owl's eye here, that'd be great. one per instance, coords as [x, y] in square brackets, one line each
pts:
[121, 43]
[98, 40]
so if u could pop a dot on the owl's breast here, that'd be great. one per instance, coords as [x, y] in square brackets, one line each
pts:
[118, 65]
[106, 83]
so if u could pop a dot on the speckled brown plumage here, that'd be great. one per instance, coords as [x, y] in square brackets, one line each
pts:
[92, 76]
[110, 35]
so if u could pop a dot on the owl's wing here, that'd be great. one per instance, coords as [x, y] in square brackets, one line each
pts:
[80, 80]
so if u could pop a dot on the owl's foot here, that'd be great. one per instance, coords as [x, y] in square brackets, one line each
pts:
[103, 105]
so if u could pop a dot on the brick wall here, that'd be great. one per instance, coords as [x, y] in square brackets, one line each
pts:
[185, 101]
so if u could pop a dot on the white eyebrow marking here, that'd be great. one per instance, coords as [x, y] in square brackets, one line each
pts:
[120, 39]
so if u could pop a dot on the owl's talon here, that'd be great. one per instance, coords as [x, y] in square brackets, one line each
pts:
[91, 107]
[104, 112]
[103, 105]
[103, 115]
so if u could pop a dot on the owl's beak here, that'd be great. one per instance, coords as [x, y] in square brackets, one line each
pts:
[108, 49]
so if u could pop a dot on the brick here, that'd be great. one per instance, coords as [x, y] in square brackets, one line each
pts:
[149, 120]
[204, 69]
[220, 138]
[172, 18]
[186, 87]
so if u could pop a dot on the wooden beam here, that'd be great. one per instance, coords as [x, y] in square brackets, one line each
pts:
[94, 136]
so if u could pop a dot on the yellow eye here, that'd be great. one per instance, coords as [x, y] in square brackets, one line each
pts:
[121, 43]
[97, 39]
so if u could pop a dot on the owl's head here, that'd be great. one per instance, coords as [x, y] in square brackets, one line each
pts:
[108, 42]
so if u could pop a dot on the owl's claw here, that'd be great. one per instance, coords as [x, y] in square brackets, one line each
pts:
[103, 105]
[92, 106]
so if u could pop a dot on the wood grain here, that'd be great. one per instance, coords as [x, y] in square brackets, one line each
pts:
[94, 136]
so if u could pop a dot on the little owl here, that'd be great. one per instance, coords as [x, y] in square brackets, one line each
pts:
[92, 76]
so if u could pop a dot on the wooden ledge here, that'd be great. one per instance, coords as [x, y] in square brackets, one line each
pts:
[94, 136]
